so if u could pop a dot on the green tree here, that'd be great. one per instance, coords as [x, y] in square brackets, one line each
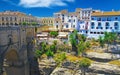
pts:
[53, 48]
[81, 48]
[38, 53]
[49, 53]
[84, 64]
[87, 44]
[43, 47]
[54, 33]
[73, 42]
[81, 37]
[101, 41]
[24, 23]
[34, 23]
[109, 38]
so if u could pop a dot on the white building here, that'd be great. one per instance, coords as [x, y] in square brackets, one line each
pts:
[65, 20]
[104, 22]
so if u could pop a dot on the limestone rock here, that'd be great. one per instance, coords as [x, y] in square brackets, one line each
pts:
[105, 68]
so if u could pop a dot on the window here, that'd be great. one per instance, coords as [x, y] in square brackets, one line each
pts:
[107, 25]
[73, 26]
[74, 20]
[6, 18]
[56, 26]
[56, 21]
[98, 32]
[69, 20]
[108, 19]
[92, 25]
[63, 18]
[94, 32]
[2, 23]
[116, 18]
[2, 18]
[92, 18]
[7, 23]
[103, 19]
[91, 32]
[99, 25]
[10, 18]
[102, 32]
[99, 19]
[66, 26]
[15, 19]
[116, 25]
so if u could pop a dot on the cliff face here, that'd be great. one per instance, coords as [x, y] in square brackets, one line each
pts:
[100, 65]
[46, 66]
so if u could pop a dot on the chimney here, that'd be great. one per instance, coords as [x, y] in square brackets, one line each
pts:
[112, 9]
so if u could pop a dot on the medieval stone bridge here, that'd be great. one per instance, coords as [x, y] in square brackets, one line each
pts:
[16, 48]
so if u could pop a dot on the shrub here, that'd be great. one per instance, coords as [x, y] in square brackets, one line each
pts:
[54, 34]
[38, 53]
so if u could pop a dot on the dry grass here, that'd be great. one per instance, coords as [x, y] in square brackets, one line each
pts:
[98, 51]
[94, 44]
[73, 58]
[115, 62]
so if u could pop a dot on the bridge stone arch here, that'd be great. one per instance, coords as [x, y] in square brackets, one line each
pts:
[12, 64]
[11, 55]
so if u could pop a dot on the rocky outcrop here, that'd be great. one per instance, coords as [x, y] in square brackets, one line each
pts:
[46, 66]
[104, 68]
[101, 57]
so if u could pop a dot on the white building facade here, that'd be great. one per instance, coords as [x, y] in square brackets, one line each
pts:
[104, 22]
[89, 22]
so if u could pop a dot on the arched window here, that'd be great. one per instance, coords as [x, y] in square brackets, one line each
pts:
[6, 18]
[16, 24]
[2, 23]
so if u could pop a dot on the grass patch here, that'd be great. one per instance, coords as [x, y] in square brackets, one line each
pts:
[115, 62]
[73, 58]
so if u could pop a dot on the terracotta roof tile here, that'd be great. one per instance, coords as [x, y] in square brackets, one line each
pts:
[112, 13]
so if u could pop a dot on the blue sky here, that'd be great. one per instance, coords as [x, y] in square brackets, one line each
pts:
[46, 8]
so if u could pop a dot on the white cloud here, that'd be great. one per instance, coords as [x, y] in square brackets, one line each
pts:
[43, 3]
